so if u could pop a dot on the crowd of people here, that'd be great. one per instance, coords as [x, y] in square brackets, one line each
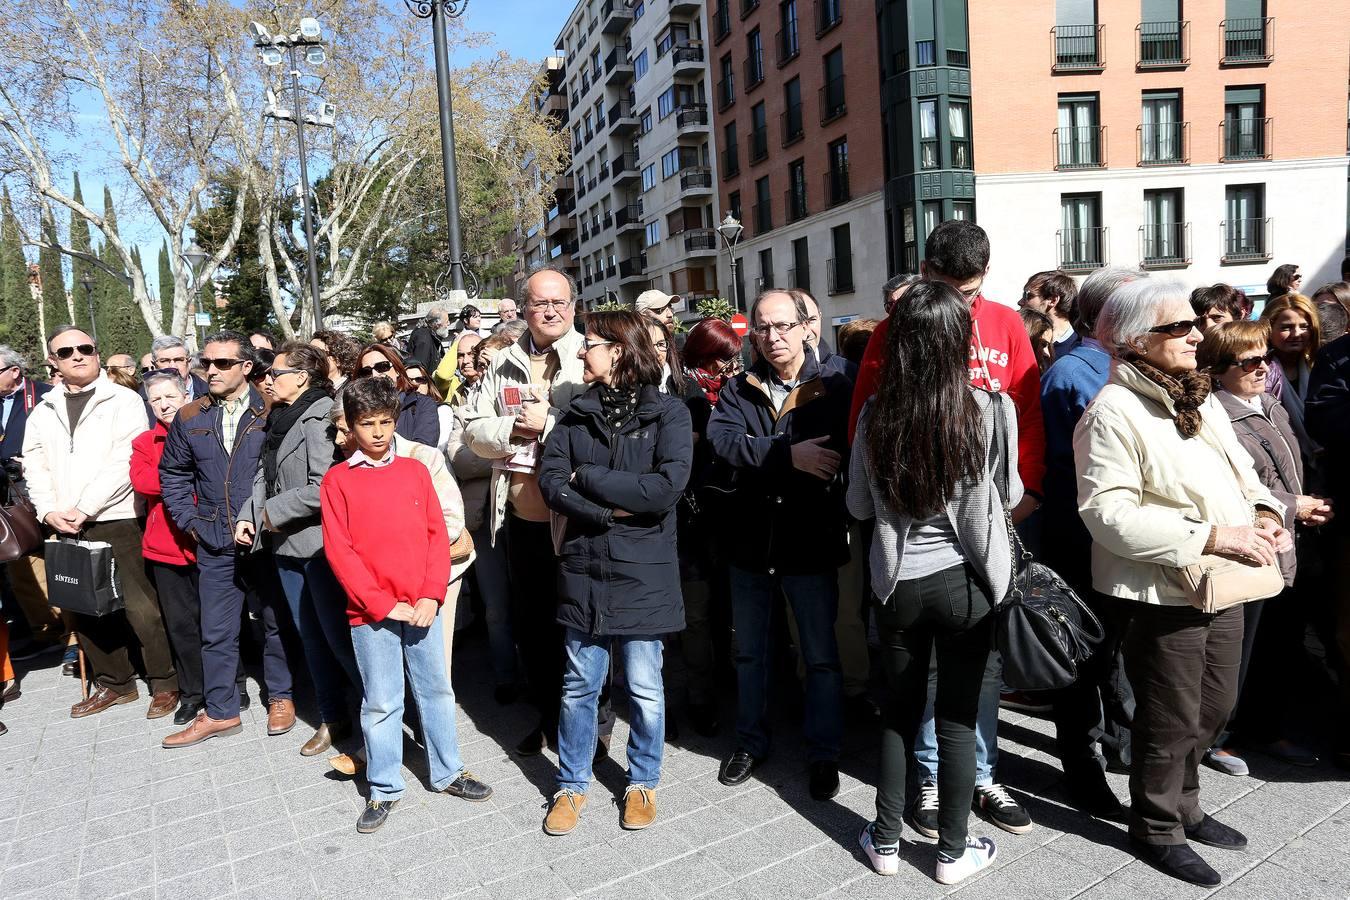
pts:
[606, 488]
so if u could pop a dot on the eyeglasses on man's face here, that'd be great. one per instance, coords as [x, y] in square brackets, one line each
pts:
[781, 328]
[171, 360]
[68, 352]
[222, 364]
[543, 305]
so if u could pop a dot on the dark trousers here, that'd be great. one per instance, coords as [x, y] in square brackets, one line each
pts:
[107, 641]
[947, 612]
[1099, 706]
[1252, 617]
[1183, 665]
[178, 600]
[222, 589]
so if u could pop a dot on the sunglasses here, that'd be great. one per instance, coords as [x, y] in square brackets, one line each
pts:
[223, 365]
[381, 367]
[1252, 363]
[419, 379]
[68, 352]
[274, 374]
[1175, 329]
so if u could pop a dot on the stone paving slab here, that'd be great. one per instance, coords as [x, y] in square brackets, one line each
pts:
[93, 808]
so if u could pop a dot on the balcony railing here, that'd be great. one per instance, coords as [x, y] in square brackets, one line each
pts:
[726, 93]
[686, 54]
[839, 274]
[697, 178]
[793, 127]
[691, 115]
[616, 15]
[1246, 240]
[832, 104]
[961, 155]
[928, 154]
[759, 144]
[1164, 144]
[754, 71]
[607, 220]
[731, 161]
[700, 239]
[763, 213]
[1081, 249]
[1078, 48]
[799, 276]
[1244, 140]
[836, 186]
[633, 267]
[1165, 245]
[624, 166]
[794, 203]
[628, 216]
[829, 13]
[722, 20]
[1163, 45]
[618, 67]
[1246, 42]
[1080, 147]
[621, 117]
[789, 45]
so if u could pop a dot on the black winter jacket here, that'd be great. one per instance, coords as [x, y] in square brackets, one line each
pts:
[619, 575]
[783, 521]
[418, 419]
[1327, 418]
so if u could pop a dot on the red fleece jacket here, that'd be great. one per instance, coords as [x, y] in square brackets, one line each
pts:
[1001, 359]
[163, 540]
[384, 536]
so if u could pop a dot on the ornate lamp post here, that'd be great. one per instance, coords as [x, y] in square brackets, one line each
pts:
[730, 230]
[194, 256]
[87, 280]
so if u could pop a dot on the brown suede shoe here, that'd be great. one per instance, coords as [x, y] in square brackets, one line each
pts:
[102, 698]
[162, 704]
[202, 728]
[323, 738]
[349, 763]
[564, 812]
[280, 716]
[639, 808]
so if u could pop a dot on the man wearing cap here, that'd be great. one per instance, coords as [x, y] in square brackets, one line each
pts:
[660, 307]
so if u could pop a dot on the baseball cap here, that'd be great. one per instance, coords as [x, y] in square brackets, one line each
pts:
[658, 300]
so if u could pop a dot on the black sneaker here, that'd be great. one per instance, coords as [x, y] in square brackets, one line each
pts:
[824, 780]
[373, 816]
[923, 816]
[1001, 808]
[466, 787]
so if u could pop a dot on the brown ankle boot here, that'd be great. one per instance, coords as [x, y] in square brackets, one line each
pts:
[639, 808]
[564, 812]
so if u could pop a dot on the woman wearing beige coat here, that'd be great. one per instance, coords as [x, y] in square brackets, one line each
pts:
[1162, 481]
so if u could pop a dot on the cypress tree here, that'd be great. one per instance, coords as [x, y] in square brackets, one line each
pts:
[80, 268]
[112, 305]
[165, 289]
[54, 309]
[21, 312]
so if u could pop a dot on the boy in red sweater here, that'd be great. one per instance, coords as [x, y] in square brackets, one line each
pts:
[385, 538]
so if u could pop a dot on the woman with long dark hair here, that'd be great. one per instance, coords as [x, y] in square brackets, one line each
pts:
[418, 419]
[923, 465]
[1286, 279]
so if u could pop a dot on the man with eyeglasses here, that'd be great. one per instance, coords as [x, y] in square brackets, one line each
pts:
[783, 427]
[170, 354]
[206, 475]
[77, 459]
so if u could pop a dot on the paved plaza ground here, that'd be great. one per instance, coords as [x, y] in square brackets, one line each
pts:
[93, 808]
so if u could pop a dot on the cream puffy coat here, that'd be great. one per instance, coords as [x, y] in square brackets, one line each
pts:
[1150, 497]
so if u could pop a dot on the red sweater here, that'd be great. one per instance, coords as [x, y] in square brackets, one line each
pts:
[384, 536]
[163, 540]
[1001, 359]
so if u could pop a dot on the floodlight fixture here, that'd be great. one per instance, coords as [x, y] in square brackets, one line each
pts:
[309, 28]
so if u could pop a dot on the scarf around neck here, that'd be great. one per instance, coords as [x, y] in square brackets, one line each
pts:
[279, 424]
[711, 385]
[618, 405]
[1187, 392]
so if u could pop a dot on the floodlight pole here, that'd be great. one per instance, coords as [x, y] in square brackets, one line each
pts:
[311, 256]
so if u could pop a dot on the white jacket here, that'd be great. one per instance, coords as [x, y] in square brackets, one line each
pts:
[90, 471]
[487, 430]
[1150, 497]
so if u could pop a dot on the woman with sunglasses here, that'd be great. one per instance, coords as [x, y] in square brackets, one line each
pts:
[1163, 482]
[418, 418]
[1237, 356]
[1295, 337]
[425, 385]
[283, 512]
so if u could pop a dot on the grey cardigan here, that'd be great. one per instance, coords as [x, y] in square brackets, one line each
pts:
[306, 454]
[975, 510]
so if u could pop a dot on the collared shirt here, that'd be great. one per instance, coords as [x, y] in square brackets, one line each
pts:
[231, 411]
[360, 459]
[779, 389]
[7, 405]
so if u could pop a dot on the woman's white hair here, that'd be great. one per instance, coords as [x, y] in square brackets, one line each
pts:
[1132, 310]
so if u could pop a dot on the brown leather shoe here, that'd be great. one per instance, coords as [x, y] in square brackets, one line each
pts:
[639, 808]
[202, 728]
[162, 704]
[564, 812]
[325, 736]
[349, 764]
[102, 698]
[280, 716]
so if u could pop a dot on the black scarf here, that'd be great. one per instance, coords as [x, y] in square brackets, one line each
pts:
[618, 405]
[279, 423]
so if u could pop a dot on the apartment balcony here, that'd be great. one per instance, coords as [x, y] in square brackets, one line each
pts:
[692, 117]
[794, 129]
[759, 144]
[829, 13]
[763, 213]
[607, 220]
[1163, 45]
[574, 100]
[754, 72]
[1245, 140]
[832, 101]
[587, 136]
[721, 20]
[624, 169]
[1246, 241]
[581, 186]
[585, 85]
[628, 217]
[839, 274]
[799, 277]
[1081, 249]
[700, 241]
[726, 94]
[633, 269]
[1080, 147]
[731, 161]
[616, 16]
[696, 180]
[584, 231]
[1165, 245]
[618, 67]
[685, 7]
[559, 221]
[788, 44]
[794, 203]
[591, 183]
[595, 225]
[764, 281]
[563, 186]
[687, 59]
[1078, 48]
[622, 119]
[836, 186]
[586, 280]
[1164, 144]
[1246, 42]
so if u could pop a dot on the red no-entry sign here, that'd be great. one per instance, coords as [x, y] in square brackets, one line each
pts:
[740, 324]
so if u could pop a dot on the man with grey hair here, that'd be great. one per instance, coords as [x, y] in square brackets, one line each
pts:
[426, 344]
[170, 353]
[1100, 705]
[506, 310]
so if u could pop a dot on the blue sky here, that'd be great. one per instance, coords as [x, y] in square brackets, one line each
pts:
[523, 27]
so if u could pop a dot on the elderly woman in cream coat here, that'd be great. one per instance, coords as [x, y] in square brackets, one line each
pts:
[1163, 481]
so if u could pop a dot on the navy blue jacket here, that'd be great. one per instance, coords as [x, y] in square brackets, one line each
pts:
[1326, 415]
[418, 419]
[619, 575]
[204, 486]
[783, 521]
[11, 434]
[833, 363]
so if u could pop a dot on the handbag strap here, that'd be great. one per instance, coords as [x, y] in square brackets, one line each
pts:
[1002, 479]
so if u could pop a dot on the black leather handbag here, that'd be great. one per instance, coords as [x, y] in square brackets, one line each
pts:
[1044, 631]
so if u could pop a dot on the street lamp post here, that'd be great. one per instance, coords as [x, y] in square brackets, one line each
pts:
[730, 230]
[194, 256]
[438, 11]
[87, 280]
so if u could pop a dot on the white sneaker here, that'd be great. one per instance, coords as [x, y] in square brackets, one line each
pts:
[980, 852]
[885, 858]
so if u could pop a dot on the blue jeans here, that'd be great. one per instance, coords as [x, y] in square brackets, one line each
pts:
[382, 651]
[319, 609]
[587, 668]
[493, 587]
[986, 727]
[815, 603]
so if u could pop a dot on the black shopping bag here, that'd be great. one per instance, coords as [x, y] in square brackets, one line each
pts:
[82, 577]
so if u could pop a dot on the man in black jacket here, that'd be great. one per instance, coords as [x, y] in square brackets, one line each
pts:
[783, 428]
[425, 343]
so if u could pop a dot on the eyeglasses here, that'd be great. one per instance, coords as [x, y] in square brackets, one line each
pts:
[781, 327]
[1252, 363]
[171, 360]
[277, 373]
[588, 346]
[729, 368]
[68, 352]
[662, 346]
[419, 379]
[223, 365]
[146, 370]
[1175, 329]
[542, 305]
[381, 367]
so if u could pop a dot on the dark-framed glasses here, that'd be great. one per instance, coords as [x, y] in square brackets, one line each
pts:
[781, 328]
[1175, 329]
[223, 364]
[381, 367]
[68, 352]
[275, 373]
[1250, 364]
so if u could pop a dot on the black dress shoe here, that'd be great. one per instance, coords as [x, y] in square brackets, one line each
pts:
[738, 767]
[466, 787]
[703, 716]
[824, 780]
[187, 712]
[11, 692]
[1090, 793]
[244, 702]
[1211, 832]
[1177, 860]
[532, 744]
[373, 816]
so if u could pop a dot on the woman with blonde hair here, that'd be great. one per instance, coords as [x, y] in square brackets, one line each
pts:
[1295, 337]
